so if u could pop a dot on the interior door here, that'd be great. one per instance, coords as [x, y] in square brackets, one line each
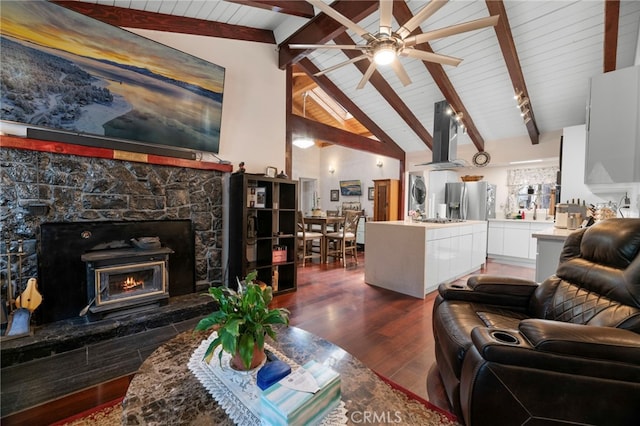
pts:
[381, 202]
[307, 188]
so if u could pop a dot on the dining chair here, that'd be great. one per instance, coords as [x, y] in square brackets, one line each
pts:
[344, 240]
[332, 213]
[306, 239]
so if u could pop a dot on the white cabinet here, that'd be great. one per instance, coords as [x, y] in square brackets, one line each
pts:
[479, 245]
[613, 128]
[495, 243]
[414, 258]
[516, 240]
[533, 229]
[512, 239]
[360, 230]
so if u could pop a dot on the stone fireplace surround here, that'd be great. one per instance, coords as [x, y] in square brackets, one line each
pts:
[39, 187]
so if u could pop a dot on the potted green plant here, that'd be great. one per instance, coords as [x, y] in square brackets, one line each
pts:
[242, 320]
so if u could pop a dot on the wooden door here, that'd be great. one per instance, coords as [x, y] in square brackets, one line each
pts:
[385, 199]
[381, 202]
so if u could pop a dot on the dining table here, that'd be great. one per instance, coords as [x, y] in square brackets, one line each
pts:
[324, 222]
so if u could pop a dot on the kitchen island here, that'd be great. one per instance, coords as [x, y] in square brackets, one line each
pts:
[549, 248]
[413, 258]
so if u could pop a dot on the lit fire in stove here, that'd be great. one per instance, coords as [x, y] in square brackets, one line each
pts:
[130, 283]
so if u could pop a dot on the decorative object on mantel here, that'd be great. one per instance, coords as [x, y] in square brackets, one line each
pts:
[469, 178]
[241, 168]
[243, 319]
[282, 175]
[271, 172]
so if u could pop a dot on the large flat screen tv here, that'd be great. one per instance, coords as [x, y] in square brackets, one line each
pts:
[65, 71]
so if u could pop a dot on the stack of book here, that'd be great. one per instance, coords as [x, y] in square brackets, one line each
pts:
[283, 405]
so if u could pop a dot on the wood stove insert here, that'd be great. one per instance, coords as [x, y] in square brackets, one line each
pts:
[125, 280]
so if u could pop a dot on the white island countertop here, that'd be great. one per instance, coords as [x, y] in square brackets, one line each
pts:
[413, 258]
[560, 234]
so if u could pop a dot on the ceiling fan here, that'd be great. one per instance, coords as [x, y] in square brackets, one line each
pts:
[383, 47]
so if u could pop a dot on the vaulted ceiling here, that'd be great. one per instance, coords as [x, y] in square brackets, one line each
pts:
[544, 50]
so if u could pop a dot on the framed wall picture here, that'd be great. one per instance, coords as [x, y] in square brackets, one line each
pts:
[370, 193]
[350, 187]
[271, 172]
[261, 197]
[335, 195]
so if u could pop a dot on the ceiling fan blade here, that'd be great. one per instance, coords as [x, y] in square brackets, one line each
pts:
[386, 11]
[339, 17]
[401, 72]
[420, 17]
[452, 30]
[431, 57]
[367, 75]
[327, 46]
[341, 64]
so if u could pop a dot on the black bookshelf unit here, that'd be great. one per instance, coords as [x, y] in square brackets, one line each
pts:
[262, 230]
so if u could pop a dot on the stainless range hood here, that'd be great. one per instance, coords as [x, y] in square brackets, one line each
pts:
[445, 139]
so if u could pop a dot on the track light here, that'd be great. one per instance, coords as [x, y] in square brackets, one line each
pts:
[523, 102]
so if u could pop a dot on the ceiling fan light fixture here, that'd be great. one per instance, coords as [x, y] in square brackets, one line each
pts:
[384, 55]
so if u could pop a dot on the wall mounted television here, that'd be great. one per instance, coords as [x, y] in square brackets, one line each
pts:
[64, 71]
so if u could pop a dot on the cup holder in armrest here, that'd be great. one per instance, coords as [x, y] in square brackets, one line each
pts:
[505, 337]
[457, 286]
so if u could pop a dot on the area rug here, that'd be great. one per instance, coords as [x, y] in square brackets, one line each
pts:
[412, 395]
[107, 414]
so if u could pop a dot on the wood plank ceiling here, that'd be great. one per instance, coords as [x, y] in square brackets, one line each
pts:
[544, 50]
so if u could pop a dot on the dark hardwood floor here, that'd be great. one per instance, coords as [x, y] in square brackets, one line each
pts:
[389, 332]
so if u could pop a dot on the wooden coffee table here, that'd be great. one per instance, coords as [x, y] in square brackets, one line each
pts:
[165, 391]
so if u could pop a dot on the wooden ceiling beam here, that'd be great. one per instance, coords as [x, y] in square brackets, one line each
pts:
[387, 92]
[332, 90]
[287, 7]
[508, 47]
[611, 21]
[402, 13]
[301, 85]
[310, 128]
[322, 28]
[131, 18]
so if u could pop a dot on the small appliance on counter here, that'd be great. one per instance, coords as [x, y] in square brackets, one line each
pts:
[570, 215]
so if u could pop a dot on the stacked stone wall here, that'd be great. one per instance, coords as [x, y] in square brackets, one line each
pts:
[38, 187]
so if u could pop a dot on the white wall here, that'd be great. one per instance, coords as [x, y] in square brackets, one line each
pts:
[349, 164]
[253, 109]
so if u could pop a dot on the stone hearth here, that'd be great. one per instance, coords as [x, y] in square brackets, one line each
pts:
[69, 355]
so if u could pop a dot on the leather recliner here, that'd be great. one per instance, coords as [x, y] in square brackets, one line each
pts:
[511, 351]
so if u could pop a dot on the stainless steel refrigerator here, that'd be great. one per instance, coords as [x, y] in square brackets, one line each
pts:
[470, 200]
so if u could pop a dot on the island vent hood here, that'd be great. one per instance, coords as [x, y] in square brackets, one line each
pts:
[445, 135]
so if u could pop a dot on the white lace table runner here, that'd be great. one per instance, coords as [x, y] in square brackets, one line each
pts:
[236, 391]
